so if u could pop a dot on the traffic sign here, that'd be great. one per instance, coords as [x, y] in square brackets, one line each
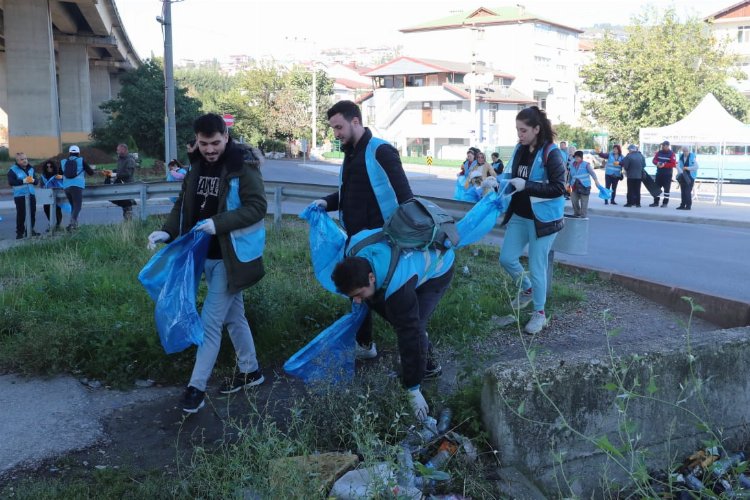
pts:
[429, 160]
[229, 120]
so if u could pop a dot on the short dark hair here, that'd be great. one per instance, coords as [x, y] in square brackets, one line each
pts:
[579, 154]
[535, 117]
[209, 124]
[495, 155]
[348, 109]
[350, 274]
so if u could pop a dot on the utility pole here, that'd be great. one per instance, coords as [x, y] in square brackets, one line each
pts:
[313, 142]
[170, 128]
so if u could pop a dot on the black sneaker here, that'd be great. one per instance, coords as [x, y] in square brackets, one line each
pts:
[241, 380]
[193, 400]
[433, 370]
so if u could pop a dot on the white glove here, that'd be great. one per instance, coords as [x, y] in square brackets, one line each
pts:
[207, 226]
[518, 183]
[156, 237]
[489, 182]
[321, 203]
[418, 404]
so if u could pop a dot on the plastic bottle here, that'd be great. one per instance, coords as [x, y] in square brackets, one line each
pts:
[722, 466]
[744, 481]
[694, 483]
[444, 453]
[406, 476]
[444, 420]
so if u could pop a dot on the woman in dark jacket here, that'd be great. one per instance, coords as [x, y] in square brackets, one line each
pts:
[535, 214]
[52, 178]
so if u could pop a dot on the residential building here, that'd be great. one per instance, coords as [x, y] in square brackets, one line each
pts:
[424, 107]
[732, 24]
[541, 53]
[349, 82]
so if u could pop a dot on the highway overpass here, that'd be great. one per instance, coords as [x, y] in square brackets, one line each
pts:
[58, 62]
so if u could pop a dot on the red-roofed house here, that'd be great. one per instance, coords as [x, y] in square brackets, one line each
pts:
[349, 82]
[423, 106]
[541, 53]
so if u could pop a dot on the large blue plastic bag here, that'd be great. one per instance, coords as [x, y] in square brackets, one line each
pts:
[330, 355]
[482, 217]
[604, 193]
[171, 277]
[327, 242]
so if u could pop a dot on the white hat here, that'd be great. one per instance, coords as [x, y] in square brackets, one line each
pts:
[74, 149]
[475, 174]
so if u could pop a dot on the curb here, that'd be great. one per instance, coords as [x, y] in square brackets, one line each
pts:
[721, 311]
[327, 168]
[692, 219]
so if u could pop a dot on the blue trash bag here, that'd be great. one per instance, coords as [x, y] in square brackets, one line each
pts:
[605, 194]
[329, 356]
[482, 217]
[459, 192]
[327, 242]
[171, 278]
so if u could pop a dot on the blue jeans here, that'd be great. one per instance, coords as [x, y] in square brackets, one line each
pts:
[222, 308]
[518, 233]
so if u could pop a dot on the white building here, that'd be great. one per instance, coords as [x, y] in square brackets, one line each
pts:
[349, 82]
[541, 53]
[424, 107]
[733, 25]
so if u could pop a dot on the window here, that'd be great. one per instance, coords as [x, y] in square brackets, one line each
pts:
[542, 62]
[743, 34]
[415, 81]
[541, 100]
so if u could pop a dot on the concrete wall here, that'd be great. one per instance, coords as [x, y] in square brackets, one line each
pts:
[3, 100]
[75, 93]
[101, 91]
[34, 115]
[666, 424]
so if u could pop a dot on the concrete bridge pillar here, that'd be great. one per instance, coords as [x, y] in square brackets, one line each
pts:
[101, 91]
[75, 93]
[33, 110]
[3, 101]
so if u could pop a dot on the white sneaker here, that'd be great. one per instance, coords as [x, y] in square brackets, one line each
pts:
[522, 300]
[537, 322]
[361, 352]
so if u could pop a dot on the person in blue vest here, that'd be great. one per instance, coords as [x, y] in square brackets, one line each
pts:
[665, 161]
[497, 163]
[222, 195]
[580, 175]
[406, 301]
[74, 182]
[535, 213]
[686, 178]
[51, 177]
[372, 183]
[613, 171]
[22, 178]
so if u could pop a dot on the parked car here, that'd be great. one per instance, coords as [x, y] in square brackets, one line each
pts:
[592, 157]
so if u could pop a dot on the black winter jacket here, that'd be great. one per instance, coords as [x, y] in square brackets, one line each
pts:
[356, 199]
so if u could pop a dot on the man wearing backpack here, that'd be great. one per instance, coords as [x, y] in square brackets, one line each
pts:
[405, 294]
[74, 182]
[372, 183]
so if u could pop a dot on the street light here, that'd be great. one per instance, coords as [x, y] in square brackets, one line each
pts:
[170, 124]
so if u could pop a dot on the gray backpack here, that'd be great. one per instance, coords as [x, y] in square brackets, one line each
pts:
[416, 224]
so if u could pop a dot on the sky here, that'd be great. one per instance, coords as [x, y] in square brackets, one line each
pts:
[208, 29]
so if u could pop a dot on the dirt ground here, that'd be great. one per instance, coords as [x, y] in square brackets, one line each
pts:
[151, 436]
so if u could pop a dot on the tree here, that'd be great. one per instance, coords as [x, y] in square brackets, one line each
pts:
[138, 112]
[658, 74]
[579, 137]
[207, 84]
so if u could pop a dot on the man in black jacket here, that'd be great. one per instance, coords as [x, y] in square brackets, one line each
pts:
[356, 200]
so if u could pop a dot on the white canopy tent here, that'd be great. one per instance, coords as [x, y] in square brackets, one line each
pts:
[709, 124]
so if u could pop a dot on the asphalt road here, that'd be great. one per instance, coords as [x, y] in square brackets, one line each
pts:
[702, 257]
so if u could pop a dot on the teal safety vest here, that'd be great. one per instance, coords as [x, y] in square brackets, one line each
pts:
[690, 163]
[610, 168]
[23, 189]
[424, 264]
[580, 174]
[77, 181]
[248, 242]
[544, 209]
[381, 185]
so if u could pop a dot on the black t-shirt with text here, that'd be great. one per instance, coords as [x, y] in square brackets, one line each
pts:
[520, 203]
[207, 201]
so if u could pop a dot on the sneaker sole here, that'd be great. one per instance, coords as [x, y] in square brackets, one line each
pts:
[546, 322]
[365, 356]
[255, 382]
[194, 410]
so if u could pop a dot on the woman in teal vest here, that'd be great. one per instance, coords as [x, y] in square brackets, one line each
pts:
[581, 173]
[613, 171]
[686, 177]
[535, 214]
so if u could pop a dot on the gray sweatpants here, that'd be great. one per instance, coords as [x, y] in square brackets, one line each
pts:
[222, 308]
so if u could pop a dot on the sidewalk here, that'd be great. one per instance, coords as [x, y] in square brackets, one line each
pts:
[733, 212]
